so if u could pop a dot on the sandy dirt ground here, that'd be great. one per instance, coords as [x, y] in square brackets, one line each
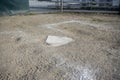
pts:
[93, 55]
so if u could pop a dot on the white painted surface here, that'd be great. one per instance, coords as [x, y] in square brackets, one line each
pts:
[58, 41]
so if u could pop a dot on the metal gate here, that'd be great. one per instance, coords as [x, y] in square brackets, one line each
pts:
[103, 6]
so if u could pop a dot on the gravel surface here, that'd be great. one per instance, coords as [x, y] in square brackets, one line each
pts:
[94, 54]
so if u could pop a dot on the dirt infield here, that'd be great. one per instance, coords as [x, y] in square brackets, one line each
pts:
[93, 55]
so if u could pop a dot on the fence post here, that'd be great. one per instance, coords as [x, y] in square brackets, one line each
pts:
[57, 4]
[61, 5]
[119, 7]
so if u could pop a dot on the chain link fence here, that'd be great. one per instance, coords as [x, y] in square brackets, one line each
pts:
[110, 6]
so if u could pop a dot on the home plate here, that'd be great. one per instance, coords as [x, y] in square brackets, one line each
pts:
[58, 41]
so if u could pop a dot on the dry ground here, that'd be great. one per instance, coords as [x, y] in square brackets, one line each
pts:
[94, 54]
